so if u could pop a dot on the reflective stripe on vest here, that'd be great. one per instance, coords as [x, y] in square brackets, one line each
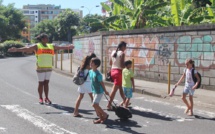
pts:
[44, 55]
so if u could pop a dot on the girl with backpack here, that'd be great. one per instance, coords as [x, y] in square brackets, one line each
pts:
[190, 85]
[85, 87]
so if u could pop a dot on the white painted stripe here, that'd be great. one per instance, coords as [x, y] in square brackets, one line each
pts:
[158, 102]
[138, 98]
[202, 112]
[36, 120]
[2, 129]
[210, 114]
[167, 115]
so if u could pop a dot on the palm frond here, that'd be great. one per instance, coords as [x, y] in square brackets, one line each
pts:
[175, 11]
[128, 4]
[160, 5]
[111, 19]
[106, 7]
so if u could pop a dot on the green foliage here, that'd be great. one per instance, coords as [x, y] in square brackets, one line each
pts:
[175, 11]
[90, 23]
[87, 24]
[201, 3]
[134, 14]
[61, 28]
[124, 15]
[45, 26]
[188, 14]
[2, 54]
[11, 22]
[66, 24]
[8, 44]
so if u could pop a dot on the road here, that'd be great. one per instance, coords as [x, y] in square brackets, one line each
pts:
[20, 112]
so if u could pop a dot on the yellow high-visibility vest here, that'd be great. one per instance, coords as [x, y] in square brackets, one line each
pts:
[44, 55]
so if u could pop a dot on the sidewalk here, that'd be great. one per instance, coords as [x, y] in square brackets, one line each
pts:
[202, 97]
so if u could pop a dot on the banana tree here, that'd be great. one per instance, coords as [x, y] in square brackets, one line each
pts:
[188, 14]
[210, 12]
[132, 14]
[155, 14]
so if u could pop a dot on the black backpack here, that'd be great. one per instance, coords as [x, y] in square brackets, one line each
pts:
[79, 77]
[195, 79]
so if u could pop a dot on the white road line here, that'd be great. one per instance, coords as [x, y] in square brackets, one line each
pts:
[202, 112]
[152, 101]
[167, 115]
[36, 120]
[2, 129]
[210, 114]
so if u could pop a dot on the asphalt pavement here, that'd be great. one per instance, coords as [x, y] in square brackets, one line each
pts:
[202, 97]
[20, 112]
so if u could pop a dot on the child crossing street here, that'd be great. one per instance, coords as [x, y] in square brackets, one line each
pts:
[128, 82]
[190, 85]
[84, 88]
[98, 88]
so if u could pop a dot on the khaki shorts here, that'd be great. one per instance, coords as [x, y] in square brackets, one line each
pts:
[97, 98]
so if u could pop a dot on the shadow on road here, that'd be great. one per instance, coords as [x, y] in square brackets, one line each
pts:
[68, 110]
[204, 118]
[122, 125]
[151, 115]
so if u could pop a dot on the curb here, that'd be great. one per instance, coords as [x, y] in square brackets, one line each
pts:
[110, 84]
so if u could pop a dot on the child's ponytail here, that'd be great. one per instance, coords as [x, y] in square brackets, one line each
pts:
[84, 63]
[115, 54]
[193, 64]
[121, 44]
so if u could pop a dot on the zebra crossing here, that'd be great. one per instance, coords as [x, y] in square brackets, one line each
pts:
[49, 127]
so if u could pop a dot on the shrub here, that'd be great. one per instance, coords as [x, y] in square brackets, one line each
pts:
[9, 44]
[2, 51]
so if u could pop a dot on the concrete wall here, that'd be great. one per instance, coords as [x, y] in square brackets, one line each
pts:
[153, 49]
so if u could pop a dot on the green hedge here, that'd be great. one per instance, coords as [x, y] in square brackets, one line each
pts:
[1, 51]
[8, 44]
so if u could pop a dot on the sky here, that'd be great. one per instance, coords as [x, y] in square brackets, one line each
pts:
[90, 5]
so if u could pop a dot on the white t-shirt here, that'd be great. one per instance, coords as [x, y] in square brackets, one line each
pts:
[116, 62]
[189, 79]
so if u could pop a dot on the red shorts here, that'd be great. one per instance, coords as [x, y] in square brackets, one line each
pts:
[116, 75]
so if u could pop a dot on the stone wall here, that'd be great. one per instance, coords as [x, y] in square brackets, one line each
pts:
[153, 49]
